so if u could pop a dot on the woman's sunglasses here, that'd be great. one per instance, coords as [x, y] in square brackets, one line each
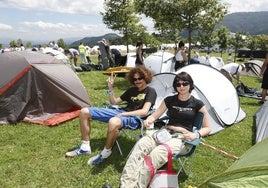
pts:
[186, 83]
[136, 79]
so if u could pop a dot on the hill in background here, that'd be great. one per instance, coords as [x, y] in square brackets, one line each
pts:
[254, 23]
[92, 41]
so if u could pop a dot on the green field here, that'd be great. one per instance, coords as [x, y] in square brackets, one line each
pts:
[33, 155]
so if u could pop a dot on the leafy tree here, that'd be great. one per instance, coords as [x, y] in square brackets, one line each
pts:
[206, 31]
[175, 15]
[120, 15]
[12, 44]
[262, 42]
[223, 37]
[28, 45]
[252, 42]
[1, 46]
[207, 38]
[61, 43]
[238, 41]
[19, 42]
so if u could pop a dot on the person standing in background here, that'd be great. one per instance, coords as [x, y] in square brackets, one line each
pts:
[88, 54]
[139, 54]
[229, 59]
[22, 48]
[264, 74]
[108, 51]
[73, 55]
[180, 56]
[82, 52]
[54, 45]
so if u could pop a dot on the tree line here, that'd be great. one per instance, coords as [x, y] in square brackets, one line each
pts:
[198, 18]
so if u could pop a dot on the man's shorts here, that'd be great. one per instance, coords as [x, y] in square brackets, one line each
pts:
[104, 115]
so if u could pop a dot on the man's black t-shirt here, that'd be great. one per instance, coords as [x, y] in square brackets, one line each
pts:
[135, 99]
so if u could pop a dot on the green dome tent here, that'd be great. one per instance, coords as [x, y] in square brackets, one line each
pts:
[251, 170]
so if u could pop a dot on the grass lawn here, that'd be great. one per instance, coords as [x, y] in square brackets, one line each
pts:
[33, 155]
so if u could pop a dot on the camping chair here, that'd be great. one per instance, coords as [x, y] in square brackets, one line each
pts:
[133, 133]
[183, 158]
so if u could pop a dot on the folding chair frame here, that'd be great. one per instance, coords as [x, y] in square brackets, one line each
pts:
[183, 158]
[140, 127]
[133, 136]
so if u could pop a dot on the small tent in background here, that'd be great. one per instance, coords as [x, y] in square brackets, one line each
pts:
[58, 55]
[38, 88]
[253, 68]
[130, 59]
[157, 62]
[261, 123]
[126, 64]
[160, 62]
[217, 92]
[251, 170]
[215, 62]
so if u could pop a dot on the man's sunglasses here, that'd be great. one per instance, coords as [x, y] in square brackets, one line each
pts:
[183, 84]
[136, 79]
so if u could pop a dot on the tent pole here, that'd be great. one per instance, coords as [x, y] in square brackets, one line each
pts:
[163, 51]
[220, 151]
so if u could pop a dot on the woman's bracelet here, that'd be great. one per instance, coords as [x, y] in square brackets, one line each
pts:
[109, 92]
[199, 135]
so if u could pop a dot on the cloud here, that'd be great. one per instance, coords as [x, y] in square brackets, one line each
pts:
[45, 26]
[54, 31]
[71, 28]
[247, 5]
[5, 27]
[89, 7]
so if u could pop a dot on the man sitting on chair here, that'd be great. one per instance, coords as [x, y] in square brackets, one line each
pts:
[182, 108]
[140, 100]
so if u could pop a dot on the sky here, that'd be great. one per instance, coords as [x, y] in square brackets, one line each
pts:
[47, 20]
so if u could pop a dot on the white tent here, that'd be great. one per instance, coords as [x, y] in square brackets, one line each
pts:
[261, 122]
[58, 55]
[160, 62]
[130, 60]
[218, 94]
[215, 62]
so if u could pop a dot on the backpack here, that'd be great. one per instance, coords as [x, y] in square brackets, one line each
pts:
[243, 89]
[85, 67]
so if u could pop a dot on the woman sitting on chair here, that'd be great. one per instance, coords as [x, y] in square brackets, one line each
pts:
[182, 109]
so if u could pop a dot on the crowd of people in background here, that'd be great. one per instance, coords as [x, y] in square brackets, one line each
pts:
[231, 69]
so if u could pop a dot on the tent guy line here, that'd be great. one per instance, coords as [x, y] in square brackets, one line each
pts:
[220, 150]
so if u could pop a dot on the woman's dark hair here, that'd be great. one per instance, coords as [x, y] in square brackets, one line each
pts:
[142, 71]
[181, 44]
[138, 44]
[183, 76]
